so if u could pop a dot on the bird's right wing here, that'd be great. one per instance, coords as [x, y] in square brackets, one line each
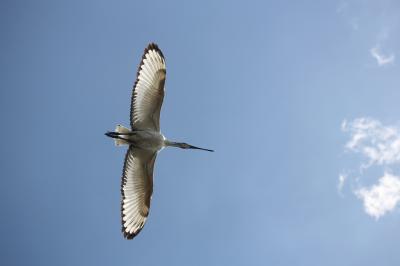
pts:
[136, 189]
[148, 91]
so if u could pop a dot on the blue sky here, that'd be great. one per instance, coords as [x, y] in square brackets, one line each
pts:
[300, 100]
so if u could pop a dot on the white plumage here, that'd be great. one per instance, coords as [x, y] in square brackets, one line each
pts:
[144, 140]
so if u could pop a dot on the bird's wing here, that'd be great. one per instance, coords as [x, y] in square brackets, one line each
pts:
[136, 189]
[148, 91]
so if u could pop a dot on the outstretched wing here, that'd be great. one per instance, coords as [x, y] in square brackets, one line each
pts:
[148, 91]
[136, 189]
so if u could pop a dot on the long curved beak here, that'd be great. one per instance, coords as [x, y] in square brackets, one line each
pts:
[197, 148]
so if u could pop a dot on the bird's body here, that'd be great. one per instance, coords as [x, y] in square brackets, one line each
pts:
[144, 140]
[149, 140]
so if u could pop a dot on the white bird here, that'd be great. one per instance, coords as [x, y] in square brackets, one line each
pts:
[144, 140]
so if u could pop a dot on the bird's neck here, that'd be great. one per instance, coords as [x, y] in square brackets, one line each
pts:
[169, 143]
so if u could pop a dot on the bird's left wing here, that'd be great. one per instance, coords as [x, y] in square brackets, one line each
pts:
[136, 189]
[148, 91]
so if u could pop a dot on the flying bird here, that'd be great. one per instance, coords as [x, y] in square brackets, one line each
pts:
[144, 141]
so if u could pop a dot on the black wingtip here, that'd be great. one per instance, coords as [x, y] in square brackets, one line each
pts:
[153, 46]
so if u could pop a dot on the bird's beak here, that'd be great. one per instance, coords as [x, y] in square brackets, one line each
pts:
[197, 148]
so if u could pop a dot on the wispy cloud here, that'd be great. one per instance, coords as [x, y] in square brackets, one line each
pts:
[381, 198]
[377, 29]
[342, 179]
[344, 10]
[382, 39]
[342, 7]
[354, 23]
[380, 145]
[381, 59]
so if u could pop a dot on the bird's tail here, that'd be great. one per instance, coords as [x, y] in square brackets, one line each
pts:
[118, 135]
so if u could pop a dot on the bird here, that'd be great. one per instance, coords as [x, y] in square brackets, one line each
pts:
[144, 140]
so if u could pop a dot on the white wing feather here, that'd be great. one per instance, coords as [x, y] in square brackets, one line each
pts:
[148, 92]
[136, 189]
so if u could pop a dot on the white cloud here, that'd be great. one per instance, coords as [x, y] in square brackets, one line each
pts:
[381, 58]
[358, 15]
[342, 179]
[379, 143]
[382, 197]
